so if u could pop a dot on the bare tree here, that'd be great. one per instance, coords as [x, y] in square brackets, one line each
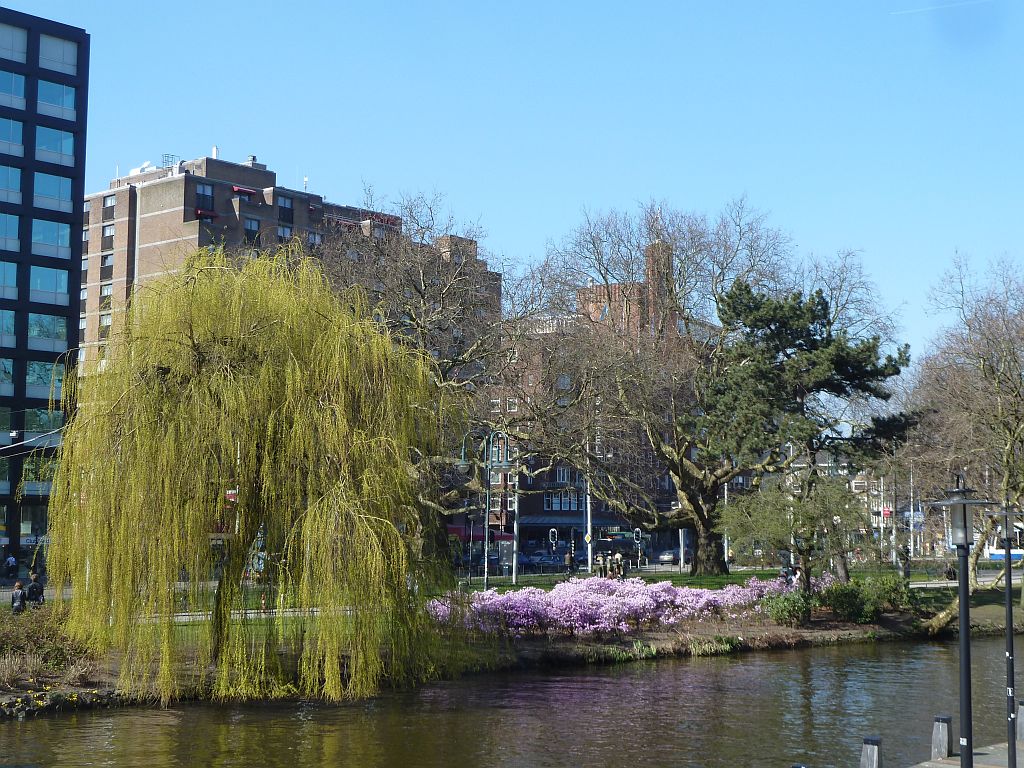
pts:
[970, 392]
[662, 307]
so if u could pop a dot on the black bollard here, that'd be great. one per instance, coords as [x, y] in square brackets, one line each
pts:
[942, 737]
[871, 752]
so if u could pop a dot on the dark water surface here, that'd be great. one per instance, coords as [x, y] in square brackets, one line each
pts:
[768, 709]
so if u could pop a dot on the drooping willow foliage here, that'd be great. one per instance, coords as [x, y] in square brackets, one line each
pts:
[255, 379]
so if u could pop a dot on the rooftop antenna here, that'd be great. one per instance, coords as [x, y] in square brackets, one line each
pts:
[305, 183]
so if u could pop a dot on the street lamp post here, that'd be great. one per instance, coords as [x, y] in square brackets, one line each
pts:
[960, 504]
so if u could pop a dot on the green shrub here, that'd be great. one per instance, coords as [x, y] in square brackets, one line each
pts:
[890, 592]
[847, 602]
[790, 609]
[37, 634]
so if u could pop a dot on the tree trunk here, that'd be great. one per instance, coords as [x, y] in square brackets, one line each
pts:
[709, 559]
[842, 568]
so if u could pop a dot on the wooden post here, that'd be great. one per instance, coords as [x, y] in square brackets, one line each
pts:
[871, 752]
[942, 737]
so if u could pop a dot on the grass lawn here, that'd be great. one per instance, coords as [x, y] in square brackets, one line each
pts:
[548, 580]
[987, 605]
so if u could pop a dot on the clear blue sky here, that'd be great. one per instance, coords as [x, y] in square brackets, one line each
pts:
[891, 127]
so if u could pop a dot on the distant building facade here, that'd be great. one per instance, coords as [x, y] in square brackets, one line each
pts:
[44, 79]
[147, 223]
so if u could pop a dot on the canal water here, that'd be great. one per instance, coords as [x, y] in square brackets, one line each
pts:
[811, 706]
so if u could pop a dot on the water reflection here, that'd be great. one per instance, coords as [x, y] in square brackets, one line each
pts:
[812, 706]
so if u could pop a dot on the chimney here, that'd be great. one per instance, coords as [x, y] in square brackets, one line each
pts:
[213, 154]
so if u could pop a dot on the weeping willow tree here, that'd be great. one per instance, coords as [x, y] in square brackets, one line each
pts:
[250, 380]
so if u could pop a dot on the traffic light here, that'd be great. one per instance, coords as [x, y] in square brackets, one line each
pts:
[638, 535]
[553, 535]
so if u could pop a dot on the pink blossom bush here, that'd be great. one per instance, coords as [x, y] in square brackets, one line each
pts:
[595, 606]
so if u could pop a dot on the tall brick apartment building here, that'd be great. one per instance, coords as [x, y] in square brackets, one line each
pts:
[146, 223]
[44, 78]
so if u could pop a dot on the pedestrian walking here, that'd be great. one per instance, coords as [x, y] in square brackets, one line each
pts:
[568, 562]
[618, 565]
[18, 598]
[34, 591]
[599, 562]
[11, 564]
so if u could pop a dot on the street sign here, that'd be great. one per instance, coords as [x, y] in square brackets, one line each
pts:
[588, 538]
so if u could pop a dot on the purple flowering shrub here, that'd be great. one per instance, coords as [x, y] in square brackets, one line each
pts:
[596, 606]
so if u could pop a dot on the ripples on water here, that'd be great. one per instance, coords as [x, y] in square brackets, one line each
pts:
[772, 709]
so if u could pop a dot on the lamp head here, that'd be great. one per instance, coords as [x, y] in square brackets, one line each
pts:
[960, 503]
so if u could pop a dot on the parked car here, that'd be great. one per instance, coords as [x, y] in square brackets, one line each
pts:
[669, 557]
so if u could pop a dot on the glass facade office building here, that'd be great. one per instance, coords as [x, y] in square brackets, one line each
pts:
[44, 77]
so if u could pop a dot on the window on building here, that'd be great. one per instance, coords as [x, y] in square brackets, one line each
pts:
[562, 474]
[81, 324]
[43, 420]
[36, 476]
[6, 376]
[252, 230]
[204, 196]
[5, 425]
[106, 294]
[107, 237]
[56, 100]
[9, 240]
[12, 89]
[8, 280]
[52, 192]
[48, 286]
[284, 234]
[58, 54]
[47, 332]
[107, 260]
[495, 502]
[13, 43]
[314, 238]
[109, 207]
[51, 238]
[83, 294]
[284, 209]
[7, 338]
[512, 404]
[10, 137]
[85, 248]
[495, 405]
[106, 321]
[564, 381]
[34, 516]
[39, 376]
[53, 146]
[10, 184]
